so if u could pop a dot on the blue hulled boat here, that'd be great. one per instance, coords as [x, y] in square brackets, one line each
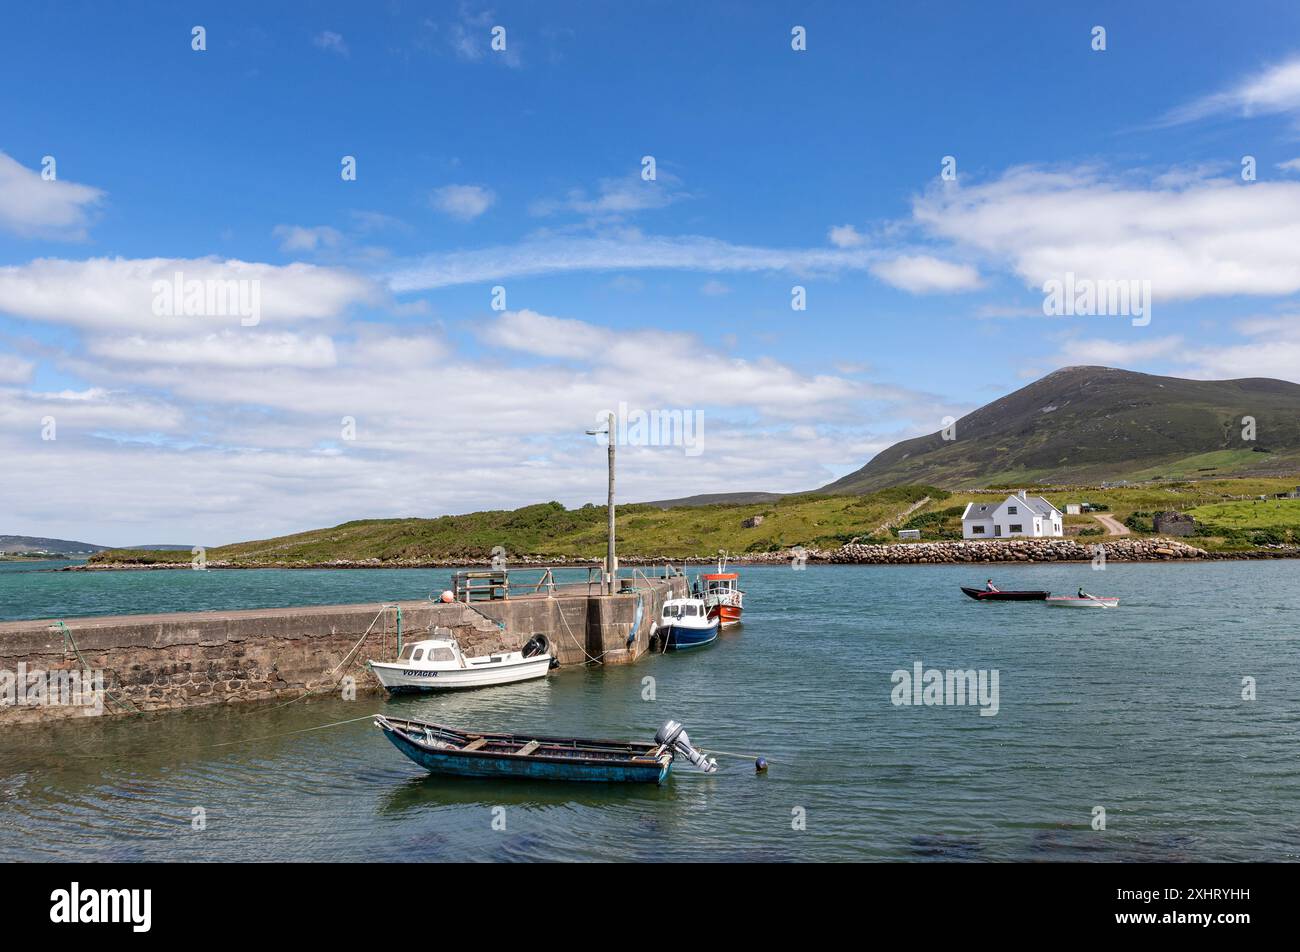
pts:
[685, 623]
[451, 752]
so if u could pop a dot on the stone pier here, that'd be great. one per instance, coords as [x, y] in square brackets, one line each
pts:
[190, 659]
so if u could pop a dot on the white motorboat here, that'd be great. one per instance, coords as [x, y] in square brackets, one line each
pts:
[438, 664]
[1073, 601]
[685, 623]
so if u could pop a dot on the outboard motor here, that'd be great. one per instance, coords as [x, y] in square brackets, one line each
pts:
[673, 735]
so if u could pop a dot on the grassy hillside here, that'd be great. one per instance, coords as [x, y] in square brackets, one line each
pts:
[1094, 424]
[549, 531]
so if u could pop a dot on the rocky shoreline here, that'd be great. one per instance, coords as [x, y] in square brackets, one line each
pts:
[1118, 549]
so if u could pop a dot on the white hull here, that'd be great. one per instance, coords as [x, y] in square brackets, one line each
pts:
[513, 668]
[1072, 602]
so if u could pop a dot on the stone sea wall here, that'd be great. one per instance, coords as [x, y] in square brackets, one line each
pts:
[1117, 548]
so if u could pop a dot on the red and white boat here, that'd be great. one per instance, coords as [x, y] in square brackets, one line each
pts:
[722, 595]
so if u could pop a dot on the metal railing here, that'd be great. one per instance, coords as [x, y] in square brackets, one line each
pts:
[483, 585]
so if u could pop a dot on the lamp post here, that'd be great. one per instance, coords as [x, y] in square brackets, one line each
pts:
[611, 566]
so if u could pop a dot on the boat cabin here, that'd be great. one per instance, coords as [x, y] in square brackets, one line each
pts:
[433, 651]
[677, 608]
[722, 583]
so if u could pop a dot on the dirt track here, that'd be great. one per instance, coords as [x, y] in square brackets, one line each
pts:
[1112, 525]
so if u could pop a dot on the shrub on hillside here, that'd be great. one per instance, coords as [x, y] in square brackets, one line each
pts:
[1141, 522]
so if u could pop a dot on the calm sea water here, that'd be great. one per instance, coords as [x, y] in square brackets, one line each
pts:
[1137, 710]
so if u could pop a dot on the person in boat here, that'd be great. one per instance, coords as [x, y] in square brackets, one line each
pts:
[989, 586]
[1082, 593]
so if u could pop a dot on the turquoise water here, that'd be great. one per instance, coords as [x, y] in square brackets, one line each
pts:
[1137, 710]
[39, 590]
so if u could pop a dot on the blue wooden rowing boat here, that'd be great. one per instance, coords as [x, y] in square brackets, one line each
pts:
[456, 753]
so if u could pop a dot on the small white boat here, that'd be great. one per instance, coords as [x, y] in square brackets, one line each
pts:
[1073, 601]
[438, 664]
[685, 623]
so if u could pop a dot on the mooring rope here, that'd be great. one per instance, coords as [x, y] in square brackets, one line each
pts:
[383, 611]
[581, 646]
[123, 702]
[750, 757]
[303, 730]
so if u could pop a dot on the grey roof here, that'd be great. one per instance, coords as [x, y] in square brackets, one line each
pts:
[1036, 504]
[1040, 505]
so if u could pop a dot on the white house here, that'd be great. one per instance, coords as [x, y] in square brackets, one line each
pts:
[1018, 515]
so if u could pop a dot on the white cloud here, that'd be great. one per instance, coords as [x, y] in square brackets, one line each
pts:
[470, 39]
[923, 274]
[1290, 165]
[1271, 91]
[226, 348]
[331, 42]
[615, 199]
[1266, 347]
[236, 452]
[1270, 347]
[462, 202]
[846, 236]
[714, 288]
[32, 207]
[118, 293]
[1209, 237]
[1121, 353]
[617, 253]
[296, 238]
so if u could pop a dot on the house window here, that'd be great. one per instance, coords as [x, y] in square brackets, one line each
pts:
[1012, 511]
[1016, 527]
[977, 530]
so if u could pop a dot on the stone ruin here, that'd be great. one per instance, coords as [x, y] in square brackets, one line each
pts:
[1174, 524]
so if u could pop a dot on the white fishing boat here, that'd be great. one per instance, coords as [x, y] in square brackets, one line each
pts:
[1073, 601]
[438, 664]
[685, 623]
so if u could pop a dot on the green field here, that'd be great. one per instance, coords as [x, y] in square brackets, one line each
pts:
[1252, 514]
[1251, 522]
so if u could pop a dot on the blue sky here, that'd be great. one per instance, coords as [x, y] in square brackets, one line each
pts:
[521, 168]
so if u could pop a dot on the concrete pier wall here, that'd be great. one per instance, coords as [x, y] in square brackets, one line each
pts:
[191, 659]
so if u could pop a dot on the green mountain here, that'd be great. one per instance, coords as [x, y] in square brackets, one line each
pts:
[1093, 424]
